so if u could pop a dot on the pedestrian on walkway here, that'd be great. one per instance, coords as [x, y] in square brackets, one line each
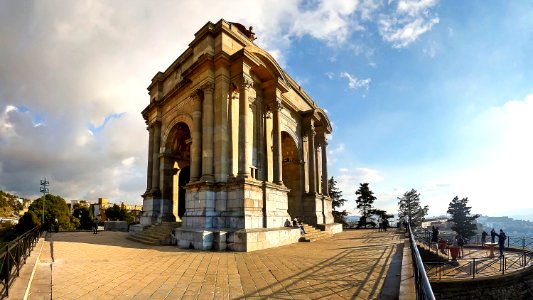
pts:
[501, 241]
[95, 225]
[380, 224]
[460, 244]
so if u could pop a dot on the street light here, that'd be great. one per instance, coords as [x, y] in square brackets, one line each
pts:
[44, 190]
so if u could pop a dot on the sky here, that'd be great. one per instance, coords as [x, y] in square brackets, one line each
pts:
[431, 95]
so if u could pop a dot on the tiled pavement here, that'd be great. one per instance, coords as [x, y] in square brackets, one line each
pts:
[350, 265]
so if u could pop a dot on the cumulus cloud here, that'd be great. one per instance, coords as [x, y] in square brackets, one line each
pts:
[355, 83]
[408, 20]
[73, 78]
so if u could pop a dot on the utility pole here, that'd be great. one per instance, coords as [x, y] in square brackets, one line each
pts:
[44, 190]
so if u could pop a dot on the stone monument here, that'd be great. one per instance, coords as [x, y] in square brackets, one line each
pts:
[236, 147]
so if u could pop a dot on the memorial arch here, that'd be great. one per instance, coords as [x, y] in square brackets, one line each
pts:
[236, 147]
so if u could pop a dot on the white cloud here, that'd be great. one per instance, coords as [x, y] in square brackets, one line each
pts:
[355, 83]
[407, 22]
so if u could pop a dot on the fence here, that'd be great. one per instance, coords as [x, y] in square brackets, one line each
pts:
[13, 257]
[519, 256]
[423, 288]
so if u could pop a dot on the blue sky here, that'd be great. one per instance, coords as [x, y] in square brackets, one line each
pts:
[431, 95]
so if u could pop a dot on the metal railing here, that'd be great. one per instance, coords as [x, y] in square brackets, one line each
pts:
[423, 288]
[13, 257]
[480, 267]
[519, 257]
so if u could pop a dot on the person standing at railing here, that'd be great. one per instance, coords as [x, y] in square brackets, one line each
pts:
[493, 235]
[501, 241]
[435, 236]
[483, 238]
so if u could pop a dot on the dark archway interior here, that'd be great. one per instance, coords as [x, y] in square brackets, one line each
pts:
[291, 174]
[184, 177]
[180, 150]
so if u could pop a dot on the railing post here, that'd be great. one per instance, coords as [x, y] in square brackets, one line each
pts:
[7, 269]
[474, 267]
[523, 243]
[508, 240]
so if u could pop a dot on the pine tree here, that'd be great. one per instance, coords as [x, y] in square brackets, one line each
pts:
[337, 201]
[364, 202]
[463, 221]
[409, 205]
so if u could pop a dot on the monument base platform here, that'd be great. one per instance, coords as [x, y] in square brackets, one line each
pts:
[242, 240]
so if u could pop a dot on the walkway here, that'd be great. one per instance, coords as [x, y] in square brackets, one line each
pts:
[350, 265]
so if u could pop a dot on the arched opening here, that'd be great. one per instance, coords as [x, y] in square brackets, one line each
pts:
[291, 174]
[179, 145]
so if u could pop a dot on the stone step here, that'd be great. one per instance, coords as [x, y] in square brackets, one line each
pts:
[313, 234]
[155, 234]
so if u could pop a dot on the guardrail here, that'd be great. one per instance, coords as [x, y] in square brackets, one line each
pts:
[519, 256]
[13, 257]
[423, 288]
[480, 267]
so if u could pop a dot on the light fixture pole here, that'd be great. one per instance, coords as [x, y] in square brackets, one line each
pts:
[44, 190]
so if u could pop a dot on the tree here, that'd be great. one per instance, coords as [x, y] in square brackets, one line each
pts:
[54, 207]
[463, 221]
[364, 202]
[336, 201]
[409, 205]
[27, 222]
[119, 214]
[83, 215]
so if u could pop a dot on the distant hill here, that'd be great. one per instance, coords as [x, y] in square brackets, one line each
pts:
[10, 204]
[512, 227]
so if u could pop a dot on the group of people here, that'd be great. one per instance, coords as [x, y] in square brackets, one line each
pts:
[296, 222]
[383, 224]
[502, 237]
[459, 240]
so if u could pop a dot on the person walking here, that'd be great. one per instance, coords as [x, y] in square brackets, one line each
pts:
[380, 224]
[95, 225]
[460, 244]
[493, 235]
[501, 241]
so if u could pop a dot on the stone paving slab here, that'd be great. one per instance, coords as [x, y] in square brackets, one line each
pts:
[349, 265]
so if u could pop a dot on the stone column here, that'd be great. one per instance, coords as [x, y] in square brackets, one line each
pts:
[277, 168]
[312, 170]
[318, 167]
[196, 135]
[155, 157]
[208, 133]
[325, 189]
[244, 134]
[150, 158]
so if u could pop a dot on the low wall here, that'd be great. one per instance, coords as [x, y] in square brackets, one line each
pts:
[116, 226]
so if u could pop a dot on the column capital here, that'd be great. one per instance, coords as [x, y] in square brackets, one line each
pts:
[208, 87]
[311, 130]
[246, 82]
[275, 105]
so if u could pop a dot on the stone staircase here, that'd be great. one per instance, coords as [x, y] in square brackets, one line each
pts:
[313, 234]
[157, 234]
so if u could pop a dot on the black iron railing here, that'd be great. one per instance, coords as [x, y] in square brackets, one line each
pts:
[423, 288]
[480, 266]
[13, 256]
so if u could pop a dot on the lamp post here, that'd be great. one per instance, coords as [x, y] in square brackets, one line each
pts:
[44, 190]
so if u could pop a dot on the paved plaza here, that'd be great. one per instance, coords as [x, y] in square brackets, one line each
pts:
[357, 264]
